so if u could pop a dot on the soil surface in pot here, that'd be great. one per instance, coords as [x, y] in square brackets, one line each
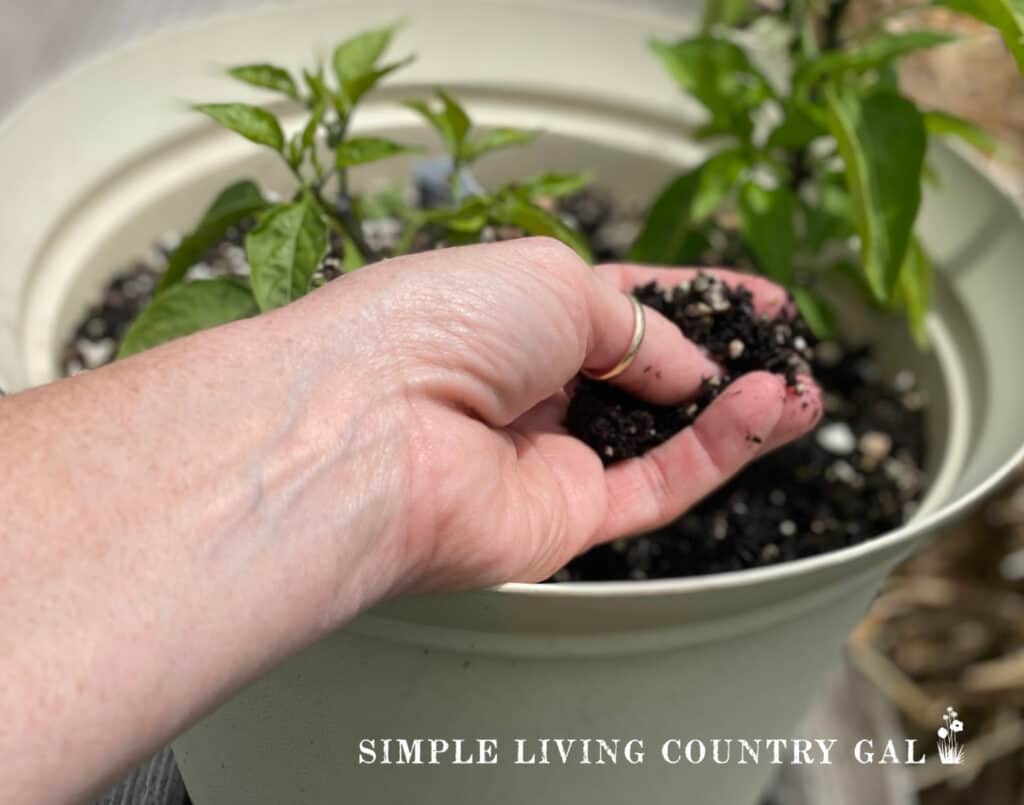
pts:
[858, 475]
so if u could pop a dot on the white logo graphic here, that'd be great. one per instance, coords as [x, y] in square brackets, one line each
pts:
[951, 753]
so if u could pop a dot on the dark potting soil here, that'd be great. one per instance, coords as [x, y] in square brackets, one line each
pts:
[856, 476]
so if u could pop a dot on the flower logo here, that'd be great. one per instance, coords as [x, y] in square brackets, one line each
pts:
[951, 753]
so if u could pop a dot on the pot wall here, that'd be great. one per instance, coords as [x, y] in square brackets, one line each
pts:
[734, 655]
[309, 715]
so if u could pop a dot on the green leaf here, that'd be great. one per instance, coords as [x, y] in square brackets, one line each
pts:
[816, 312]
[881, 138]
[318, 89]
[668, 222]
[284, 250]
[386, 202]
[1007, 16]
[766, 222]
[725, 12]
[830, 217]
[351, 257]
[253, 123]
[496, 139]
[878, 51]
[553, 185]
[361, 150]
[914, 290]
[691, 198]
[517, 211]
[469, 217]
[458, 121]
[359, 55]
[355, 63]
[946, 124]
[354, 89]
[267, 76]
[187, 309]
[718, 177]
[450, 121]
[799, 126]
[233, 205]
[721, 76]
[316, 117]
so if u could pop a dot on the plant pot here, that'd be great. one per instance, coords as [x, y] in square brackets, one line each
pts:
[736, 655]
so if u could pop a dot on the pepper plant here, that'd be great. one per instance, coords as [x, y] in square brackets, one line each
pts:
[818, 171]
[291, 237]
[813, 173]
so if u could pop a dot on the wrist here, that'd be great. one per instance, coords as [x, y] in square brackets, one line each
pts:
[335, 474]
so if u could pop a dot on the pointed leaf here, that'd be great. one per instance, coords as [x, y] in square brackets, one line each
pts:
[267, 76]
[554, 185]
[798, 128]
[881, 138]
[354, 89]
[361, 150]
[668, 222]
[253, 123]
[669, 227]
[351, 256]
[450, 121]
[236, 203]
[284, 250]
[187, 309]
[458, 121]
[879, 51]
[496, 139]
[946, 124]
[766, 221]
[360, 54]
[914, 290]
[830, 217]
[468, 218]
[720, 75]
[725, 12]
[718, 176]
[534, 220]
[816, 312]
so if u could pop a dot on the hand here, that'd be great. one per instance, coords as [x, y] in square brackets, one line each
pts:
[235, 495]
[483, 342]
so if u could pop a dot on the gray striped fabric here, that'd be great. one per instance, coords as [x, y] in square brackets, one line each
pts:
[156, 782]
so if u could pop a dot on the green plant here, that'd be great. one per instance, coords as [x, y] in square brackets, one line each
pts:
[470, 214]
[291, 237]
[818, 171]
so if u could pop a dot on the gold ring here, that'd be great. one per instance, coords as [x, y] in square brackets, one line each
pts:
[639, 329]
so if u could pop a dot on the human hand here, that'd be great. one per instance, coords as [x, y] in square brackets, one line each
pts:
[477, 346]
[396, 430]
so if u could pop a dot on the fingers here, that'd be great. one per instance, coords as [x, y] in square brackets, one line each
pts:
[755, 414]
[769, 298]
[667, 368]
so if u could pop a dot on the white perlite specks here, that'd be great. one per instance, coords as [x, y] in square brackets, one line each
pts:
[837, 438]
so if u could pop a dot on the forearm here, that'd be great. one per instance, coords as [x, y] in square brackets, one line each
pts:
[160, 544]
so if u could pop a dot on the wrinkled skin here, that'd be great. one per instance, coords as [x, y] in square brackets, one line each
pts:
[180, 521]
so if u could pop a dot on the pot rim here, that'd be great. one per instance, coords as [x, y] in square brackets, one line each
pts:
[654, 21]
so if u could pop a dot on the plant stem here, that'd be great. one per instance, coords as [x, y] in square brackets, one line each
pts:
[833, 22]
[341, 213]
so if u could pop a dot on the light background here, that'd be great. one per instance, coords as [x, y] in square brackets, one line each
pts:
[39, 39]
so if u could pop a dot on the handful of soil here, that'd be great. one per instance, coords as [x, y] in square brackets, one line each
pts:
[715, 316]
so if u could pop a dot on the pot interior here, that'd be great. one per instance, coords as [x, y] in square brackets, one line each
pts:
[147, 166]
[166, 195]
